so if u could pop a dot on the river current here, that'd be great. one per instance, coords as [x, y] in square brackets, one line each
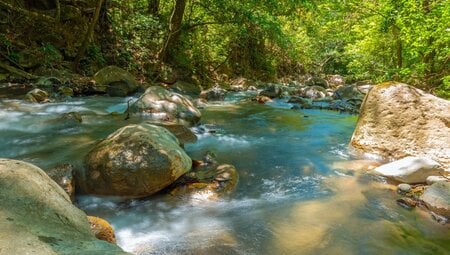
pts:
[289, 199]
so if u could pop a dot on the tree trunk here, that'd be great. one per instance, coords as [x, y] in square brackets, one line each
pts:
[153, 7]
[58, 10]
[430, 56]
[166, 53]
[398, 47]
[88, 34]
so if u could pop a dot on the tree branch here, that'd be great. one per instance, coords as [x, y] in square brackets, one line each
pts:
[16, 71]
[27, 13]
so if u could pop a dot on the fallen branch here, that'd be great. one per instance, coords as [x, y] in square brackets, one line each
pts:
[26, 12]
[16, 71]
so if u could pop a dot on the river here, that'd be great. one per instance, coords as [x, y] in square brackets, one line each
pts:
[289, 199]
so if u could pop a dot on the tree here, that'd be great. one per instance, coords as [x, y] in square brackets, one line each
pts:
[88, 34]
[167, 51]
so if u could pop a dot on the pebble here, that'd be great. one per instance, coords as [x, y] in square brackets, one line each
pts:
[404, 188]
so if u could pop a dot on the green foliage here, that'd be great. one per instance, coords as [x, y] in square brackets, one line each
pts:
[50, 56]
[140, 34]
[444, 89]
[95, 54]
[407, 40]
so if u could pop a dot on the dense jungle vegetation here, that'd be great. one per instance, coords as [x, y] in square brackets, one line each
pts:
[215, 41]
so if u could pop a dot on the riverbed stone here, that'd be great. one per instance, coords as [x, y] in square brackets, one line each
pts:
[66, 91]
[272, 91]
[115, 81]
[305, 103]
[186, 88]
[262, 99]
[200, 103]
[317, 81]
[37, 216]
[313, 92]
[214, 94]
[398, 120]
[404, 188]
[182, 133]
[37, 96]
[437, 198]
[410, 169]
[207, 182]
[348, 92]
[134, 161]
[102, 229]
[335, 81]
[160, 104]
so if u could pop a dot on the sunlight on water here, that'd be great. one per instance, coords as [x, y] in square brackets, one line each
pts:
[299, 192]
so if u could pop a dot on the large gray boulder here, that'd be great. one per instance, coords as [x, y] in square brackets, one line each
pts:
[410, 169]
[398, 120]
[437, 198]
[37, 216]
[158, 103]
[114, 81]
[134, 161]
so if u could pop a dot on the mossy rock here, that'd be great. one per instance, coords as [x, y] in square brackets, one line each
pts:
[116, 81]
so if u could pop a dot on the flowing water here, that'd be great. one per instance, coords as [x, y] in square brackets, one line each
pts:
[289, 200]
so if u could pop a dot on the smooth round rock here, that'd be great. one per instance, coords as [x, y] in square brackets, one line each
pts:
[404, 188]
[134, 161]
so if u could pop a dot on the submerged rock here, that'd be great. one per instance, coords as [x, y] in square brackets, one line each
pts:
[262, 99]
[356, 165]
[114, 81]
[409, 169]
[437, 198]
[207, 183]
[39, 218]
[305, 103]
[398, 120]
[134, 161]
[161, 104]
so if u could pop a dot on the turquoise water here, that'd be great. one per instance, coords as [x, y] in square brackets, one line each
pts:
[289, 200]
